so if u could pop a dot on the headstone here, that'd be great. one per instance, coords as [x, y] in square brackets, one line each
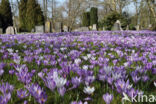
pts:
[90, 27]
[94, 27]
[65, 28]
[1, 31]
[104, 29]
[48, 27]
[137, 27]
[10, 30]
[150, 26]
[81, 29]
[117, 26]
[33, 30]
[39, 29]
[58, 27]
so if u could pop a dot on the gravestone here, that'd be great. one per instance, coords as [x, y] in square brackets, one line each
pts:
[94, 27]
[10, 30]
[65, 28]
[33, 30]
[90, 27]
[39, 29]
[58, 27]
[150, 26]
[137, 27]
[1, 31]
[81, 29]
[48, 27]
[104, 29]
[117, 26]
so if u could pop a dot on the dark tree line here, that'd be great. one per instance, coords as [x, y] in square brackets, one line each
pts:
[5, 14]
[30, 15]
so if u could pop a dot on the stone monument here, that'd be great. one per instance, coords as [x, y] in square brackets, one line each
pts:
[10, 30]
[58, 27]
[65, 28]
[48, 27]
[104, 29]
[94, 27]
[117, 26]
[39, 29]
[137, 27]
[81, 29]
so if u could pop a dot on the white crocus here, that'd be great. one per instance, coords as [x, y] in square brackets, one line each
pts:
[77, 61]
[93, 58]
[126, 64]
[85, 67]
[89, 90]
[85, 58]
[89, 55]
[107, 69]
[59, 81]
[155, 84]
[116, 76]
[10, 50]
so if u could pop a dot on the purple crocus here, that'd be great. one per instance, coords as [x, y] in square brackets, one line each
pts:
[108, 98]
[24, 76]
[1, 72]
[122, 86]
[22, 93]
[62, 91]
[6, 90]
[37, 92]
[76, 81]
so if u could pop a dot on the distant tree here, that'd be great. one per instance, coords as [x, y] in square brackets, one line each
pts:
[111, 18]
[22, 14]
[5, 11]
[93, 16]
[86, 19]
[34, 15]
[39, 16]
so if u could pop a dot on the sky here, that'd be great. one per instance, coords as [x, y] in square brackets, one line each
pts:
[130, 8]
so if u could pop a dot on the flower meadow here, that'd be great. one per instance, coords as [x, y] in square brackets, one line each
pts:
[77, 68]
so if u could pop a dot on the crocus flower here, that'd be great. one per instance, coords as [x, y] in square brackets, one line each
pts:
[62, 91]
[59, 81]
[155, 83]
[136, 78]
[89, 90]
[22, 93]
[108, 98]
[37, 92]
[11, 72]
[1, 72]
[122, 86]
[76, 81]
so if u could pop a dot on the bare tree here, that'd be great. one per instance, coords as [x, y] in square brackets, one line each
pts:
[73, 10]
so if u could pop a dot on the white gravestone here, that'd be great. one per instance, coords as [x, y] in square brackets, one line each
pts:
[39, 29]
[94, 27]
[10, 30]
[117, 26]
